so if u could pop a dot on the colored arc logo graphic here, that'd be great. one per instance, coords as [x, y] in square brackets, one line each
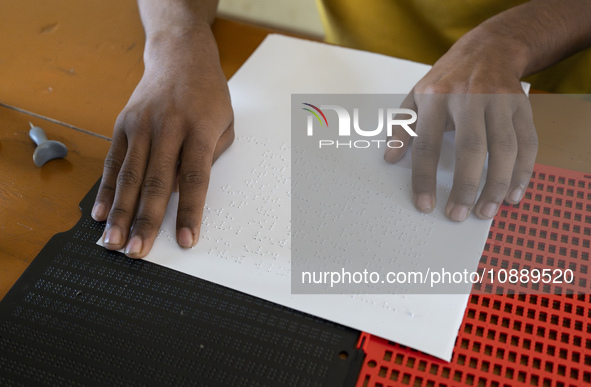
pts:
[317, 116]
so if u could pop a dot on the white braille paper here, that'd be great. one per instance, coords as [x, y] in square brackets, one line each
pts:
[245, 237]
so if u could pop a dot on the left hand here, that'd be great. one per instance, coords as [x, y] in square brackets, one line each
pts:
[475, 90]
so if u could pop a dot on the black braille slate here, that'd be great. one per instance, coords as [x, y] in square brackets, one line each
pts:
[82, 315]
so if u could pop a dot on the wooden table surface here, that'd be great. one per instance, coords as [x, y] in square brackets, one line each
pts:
[78, 62]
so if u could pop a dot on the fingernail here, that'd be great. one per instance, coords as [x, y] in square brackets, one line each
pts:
[113, 236]
[516, 195]
[489, 210]
[185, 237]
[99, 211]
[134, 246]
[459, 213]
[424, 203]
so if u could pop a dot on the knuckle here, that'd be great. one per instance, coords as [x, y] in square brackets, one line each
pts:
[432, 88]
[118, 212]
[204, 127]
[134, 124]
[425, 149]
[171, 126]
[194, 178]
[467, 186]
[112, 164]
[122, 119]
[203, 124]
[202, 150]
[500, 186]
[111, 169]
[506, 143]
[205, 140]
[154, 186]
[128, 177]
[530, 142]
[145, 221]
[473, 143]
[126, 119]
[129, 117]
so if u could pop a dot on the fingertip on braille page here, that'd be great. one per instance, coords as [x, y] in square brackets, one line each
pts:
[424, 203]
[458, 213]
[393, 155]
[185, 238]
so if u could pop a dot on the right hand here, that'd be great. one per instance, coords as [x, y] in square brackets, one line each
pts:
[175, 125]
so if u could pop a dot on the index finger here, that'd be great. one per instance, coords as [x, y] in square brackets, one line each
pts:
[426, 149]
[112, 166]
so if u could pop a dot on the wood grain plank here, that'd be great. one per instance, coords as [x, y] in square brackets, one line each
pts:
[36, 203]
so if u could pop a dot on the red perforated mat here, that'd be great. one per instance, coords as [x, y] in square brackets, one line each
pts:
[518, 337]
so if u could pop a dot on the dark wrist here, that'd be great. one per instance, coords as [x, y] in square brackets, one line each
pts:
[180, 42]
[506, 52]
